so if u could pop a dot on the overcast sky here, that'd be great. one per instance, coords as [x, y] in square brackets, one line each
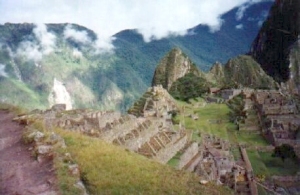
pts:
[152, 18]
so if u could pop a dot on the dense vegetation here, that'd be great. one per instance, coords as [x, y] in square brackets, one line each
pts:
[188, 87]
[237, 113]
[244, 71]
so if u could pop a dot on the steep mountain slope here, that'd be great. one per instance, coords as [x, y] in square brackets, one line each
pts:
[200, 44]
[273, 44]
[293, 84]
[183, 80]
[60, 63]
[244, 71]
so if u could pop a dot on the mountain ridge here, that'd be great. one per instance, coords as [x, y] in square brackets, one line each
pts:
[30, 64]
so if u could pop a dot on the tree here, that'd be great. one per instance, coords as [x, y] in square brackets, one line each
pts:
[188, 87]
[284, 151]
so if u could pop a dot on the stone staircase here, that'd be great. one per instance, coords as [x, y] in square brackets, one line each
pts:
[251, 123]
[139, 106]
[163, 145]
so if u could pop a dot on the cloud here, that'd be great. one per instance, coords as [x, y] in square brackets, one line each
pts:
[76, 53]
[239, 27]
[241, 11]
[154, 19]
[44, 44]
[100, 45]
[78, 36]
[2, 71]
[30, 49]
[46, 39]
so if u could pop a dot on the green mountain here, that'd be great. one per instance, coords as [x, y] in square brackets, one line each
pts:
[60, 63]
[179, 75]
[173, 66]
[244, 71]
[55, 63]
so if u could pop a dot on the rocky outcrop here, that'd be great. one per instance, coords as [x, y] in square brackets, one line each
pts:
[272, 47]
[293, 84]
[155, 102]
[172, 67]
[217, 70]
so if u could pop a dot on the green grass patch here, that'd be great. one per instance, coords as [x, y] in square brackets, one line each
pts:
[108, 169]
[251, 139]
[264, 164]
[213, 118]
[173, 162]
[66, 182]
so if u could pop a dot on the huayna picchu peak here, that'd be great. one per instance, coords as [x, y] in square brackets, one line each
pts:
[173, 66]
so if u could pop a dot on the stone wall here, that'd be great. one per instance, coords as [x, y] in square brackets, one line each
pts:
[249, 170]
[120, 129]
[165, 154]
[188, 155]
[138, 136]
[191, 166]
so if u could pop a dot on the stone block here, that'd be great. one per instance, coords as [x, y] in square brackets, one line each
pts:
[44, 149]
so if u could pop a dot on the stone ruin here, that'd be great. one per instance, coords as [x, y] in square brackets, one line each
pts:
[147, 129]
[213, 161]
[279, 117]
[156, 102]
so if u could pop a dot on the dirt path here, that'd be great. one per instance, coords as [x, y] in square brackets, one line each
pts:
[20, 173]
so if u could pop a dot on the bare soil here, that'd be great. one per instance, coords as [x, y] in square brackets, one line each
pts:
[20, 172]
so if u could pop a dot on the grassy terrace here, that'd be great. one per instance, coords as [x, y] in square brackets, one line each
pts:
[263, 163]
[213, 119]
[108, 169]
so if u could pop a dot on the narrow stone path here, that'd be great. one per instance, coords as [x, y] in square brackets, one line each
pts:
[20, 173]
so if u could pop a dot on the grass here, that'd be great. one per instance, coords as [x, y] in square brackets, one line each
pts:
[213, 118]
[66, 182]
[108, 169]
[173, 162]
[18, 93]
[16, 110]
[251, 139]
[264, 164]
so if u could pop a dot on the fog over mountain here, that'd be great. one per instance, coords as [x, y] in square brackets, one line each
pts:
[153, 19]
[103, 67]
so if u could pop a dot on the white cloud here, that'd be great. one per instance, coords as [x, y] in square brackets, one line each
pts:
[78, 36]
[241, 11]
[35, 50]
[100, 45]
[30, 50]
[155, 19]
[239, 27]
[2, 71]
[46, 39]
[76, 53]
